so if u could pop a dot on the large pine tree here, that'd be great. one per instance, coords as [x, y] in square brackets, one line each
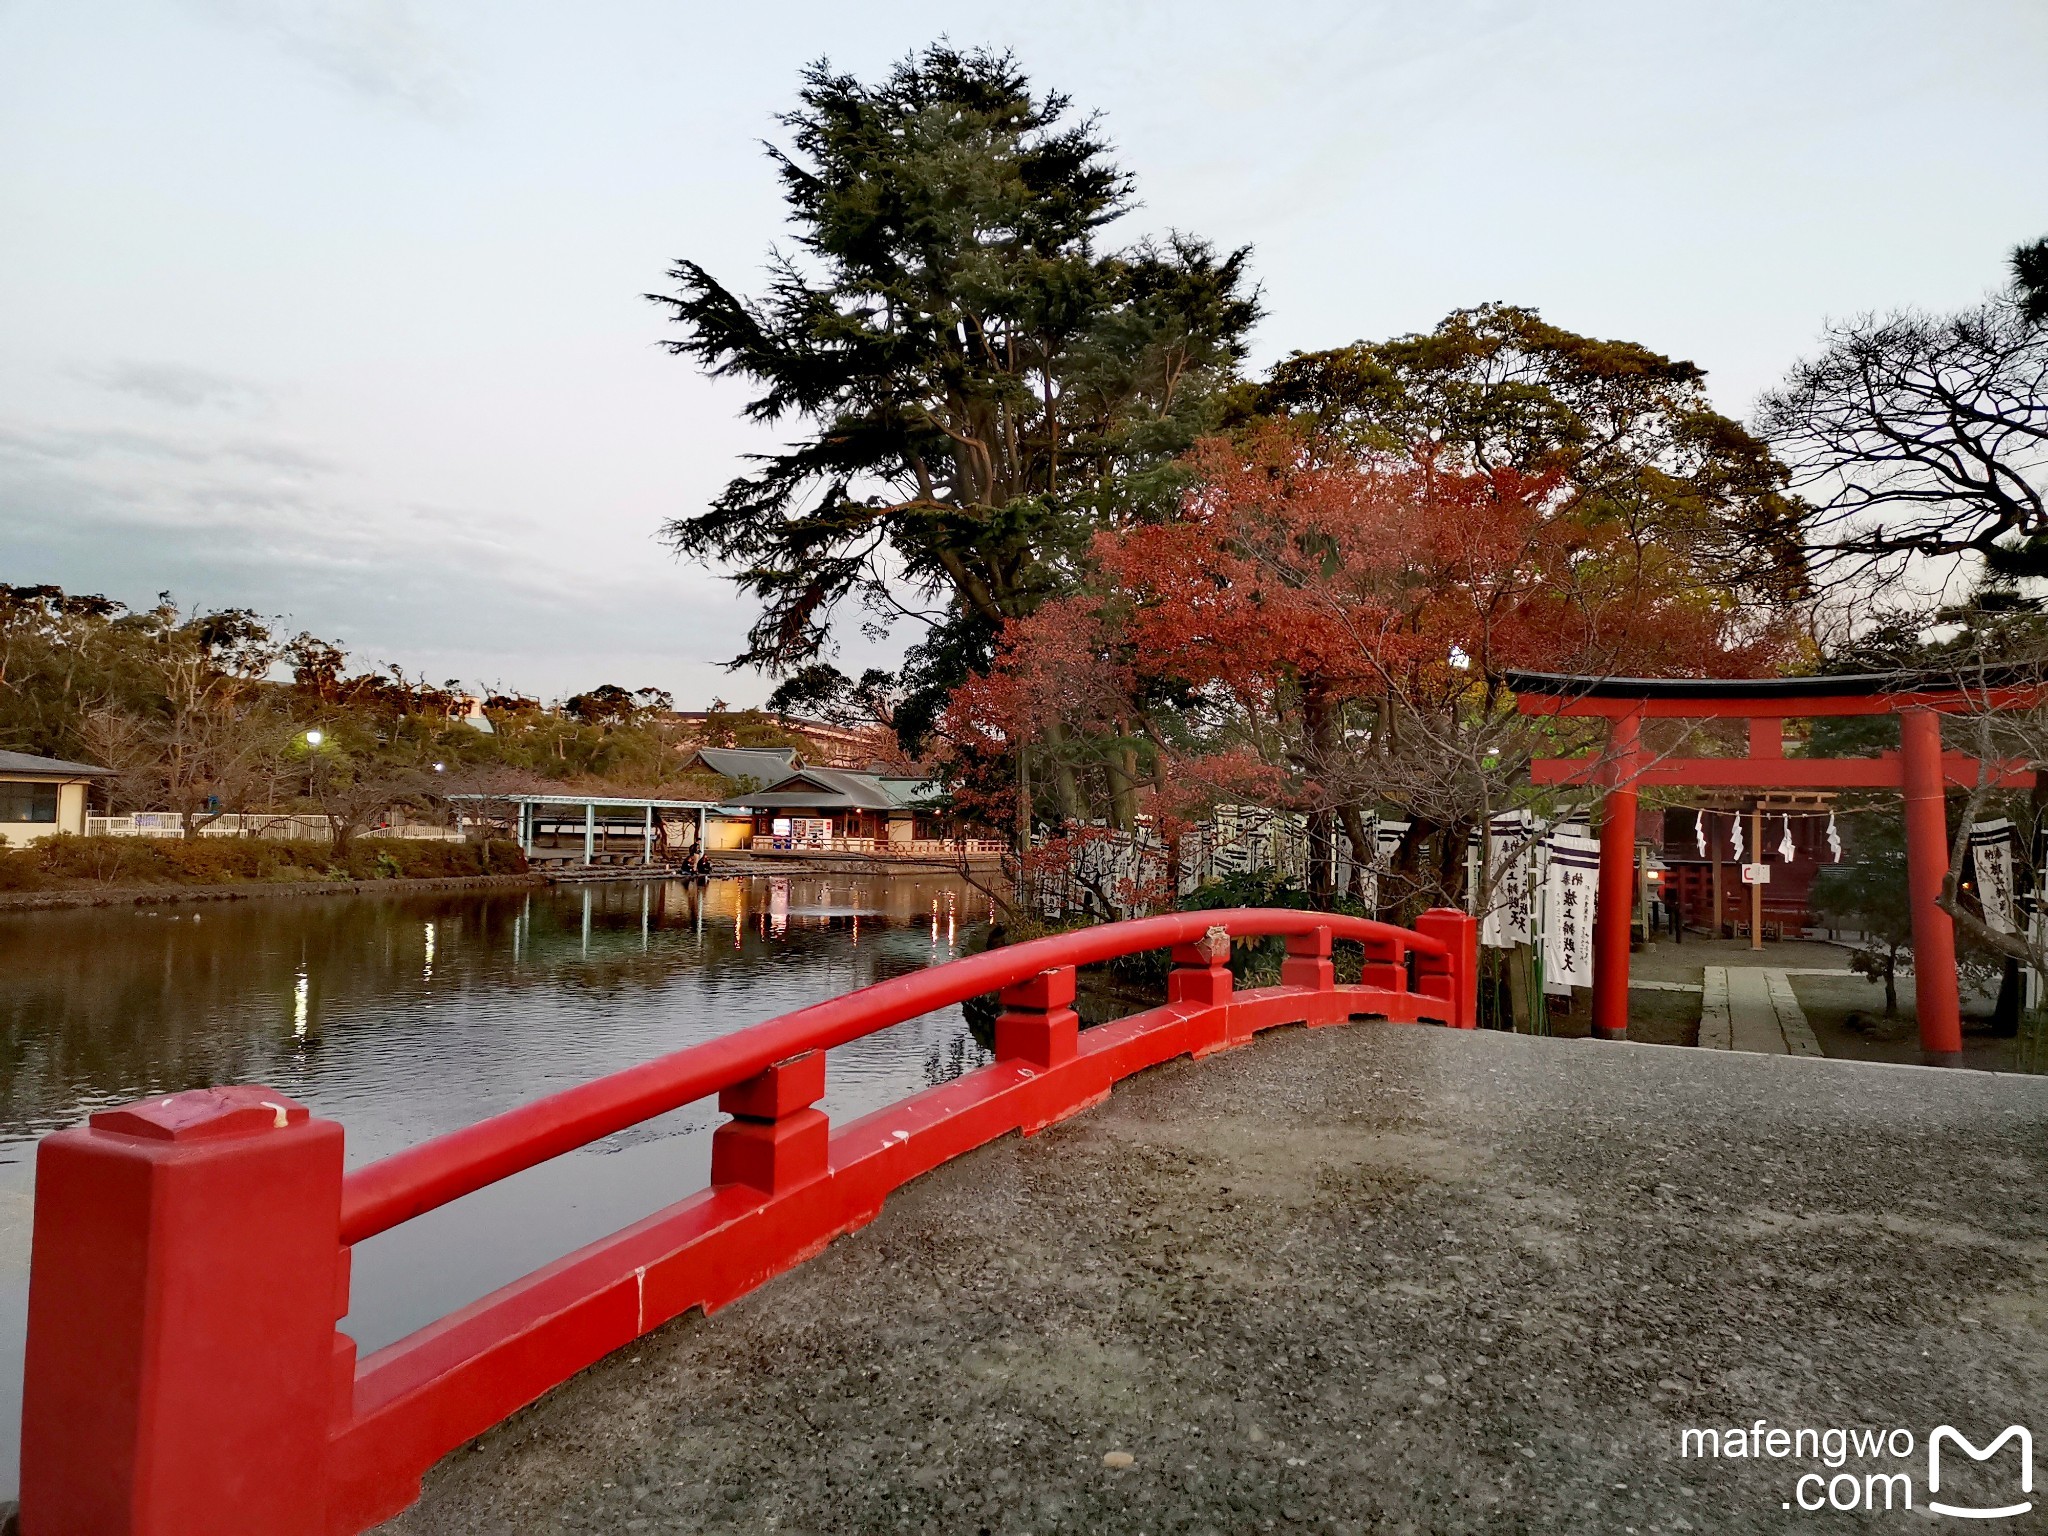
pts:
[979, 386]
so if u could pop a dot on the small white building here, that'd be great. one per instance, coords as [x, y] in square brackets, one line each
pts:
[42, 796]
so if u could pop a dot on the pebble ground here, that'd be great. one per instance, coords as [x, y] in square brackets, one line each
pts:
[1356, 1279]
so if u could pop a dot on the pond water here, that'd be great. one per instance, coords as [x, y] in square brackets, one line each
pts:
[405, 1016]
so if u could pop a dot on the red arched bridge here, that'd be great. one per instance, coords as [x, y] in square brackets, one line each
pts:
[185, 1374]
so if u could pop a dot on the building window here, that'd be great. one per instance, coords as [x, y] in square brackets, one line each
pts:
[28, 802]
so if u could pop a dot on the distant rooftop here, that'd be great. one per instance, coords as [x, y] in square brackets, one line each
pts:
[764, 765]
[841, 789]
[49, 767]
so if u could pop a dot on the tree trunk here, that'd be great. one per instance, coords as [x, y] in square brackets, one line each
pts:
[1320, 721]
[1891, 989]
[1121, 768]
[1068, 791]
[1023, 800]
[1362, 849]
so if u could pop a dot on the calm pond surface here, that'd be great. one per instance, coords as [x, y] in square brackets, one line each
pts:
[403, 1017]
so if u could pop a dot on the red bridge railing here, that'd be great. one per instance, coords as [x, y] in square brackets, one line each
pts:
[185, 1373]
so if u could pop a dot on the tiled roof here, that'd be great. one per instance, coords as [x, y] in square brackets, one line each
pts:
[839, 789]
[764, 765]
[49, 767]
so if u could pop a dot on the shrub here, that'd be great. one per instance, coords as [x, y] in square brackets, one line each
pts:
[20, 870]
[111, 861]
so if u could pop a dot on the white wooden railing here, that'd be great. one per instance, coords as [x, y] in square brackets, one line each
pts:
[874, 847]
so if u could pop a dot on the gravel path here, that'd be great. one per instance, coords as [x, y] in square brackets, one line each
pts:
[1364, 1279]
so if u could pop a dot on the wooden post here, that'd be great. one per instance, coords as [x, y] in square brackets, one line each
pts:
[1642, 874]
[1756, 892]
[1521, 1008]
[1720, 895]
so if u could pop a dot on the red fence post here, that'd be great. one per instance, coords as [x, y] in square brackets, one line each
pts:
[1308, 961]
[1038, 1023]
[183, 1290]
[1453, 978]
[1201, 977]
[775, 1140]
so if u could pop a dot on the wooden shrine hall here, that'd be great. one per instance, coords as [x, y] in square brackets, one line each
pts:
[1920, 770]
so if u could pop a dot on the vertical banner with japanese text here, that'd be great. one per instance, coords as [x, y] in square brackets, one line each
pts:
[1570, 894]
[1508, 920]
[1991, 855]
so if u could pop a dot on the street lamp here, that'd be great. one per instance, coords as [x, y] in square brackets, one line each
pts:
[314, 738]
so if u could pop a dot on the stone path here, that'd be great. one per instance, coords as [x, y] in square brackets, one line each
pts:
[1751, 1008]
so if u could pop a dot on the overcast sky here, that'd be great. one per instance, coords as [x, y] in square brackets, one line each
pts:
[334, 309]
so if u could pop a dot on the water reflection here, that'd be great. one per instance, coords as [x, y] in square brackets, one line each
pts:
[406, 1017]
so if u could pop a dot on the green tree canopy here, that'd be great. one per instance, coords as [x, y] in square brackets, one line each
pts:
[978, 385]
[2030, 280]
[1630, 431]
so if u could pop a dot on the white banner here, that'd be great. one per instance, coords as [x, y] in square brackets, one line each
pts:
[1570, 898]
[1991, 854]
[1508, 920]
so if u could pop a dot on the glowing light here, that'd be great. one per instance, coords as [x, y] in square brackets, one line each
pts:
[314, 738]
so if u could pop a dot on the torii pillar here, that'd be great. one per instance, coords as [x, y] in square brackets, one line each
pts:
[1919, 770]
[1935, 997]
[1612, 915]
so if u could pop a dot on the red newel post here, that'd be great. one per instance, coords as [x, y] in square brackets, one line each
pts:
[1201, 970]
[775, 1140]
[183, 1290]
[1454, 979]
[1308, 961]
[1038, 1023]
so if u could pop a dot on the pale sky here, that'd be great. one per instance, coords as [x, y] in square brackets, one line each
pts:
[334, 309]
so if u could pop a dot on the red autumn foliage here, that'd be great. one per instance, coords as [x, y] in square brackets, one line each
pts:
[1301, 578]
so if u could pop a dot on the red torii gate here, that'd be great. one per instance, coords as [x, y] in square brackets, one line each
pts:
[1920, 770]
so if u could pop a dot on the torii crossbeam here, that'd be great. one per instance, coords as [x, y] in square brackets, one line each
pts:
[1920, 770]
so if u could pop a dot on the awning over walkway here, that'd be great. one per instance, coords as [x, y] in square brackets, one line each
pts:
[530, 809]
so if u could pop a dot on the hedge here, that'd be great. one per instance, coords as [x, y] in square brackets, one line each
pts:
[118, 861]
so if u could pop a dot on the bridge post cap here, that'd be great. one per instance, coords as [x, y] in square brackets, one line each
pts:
[783, 1089]
[1211, 949]
[203, 1114]
[1314, 943]
[1042, 993]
